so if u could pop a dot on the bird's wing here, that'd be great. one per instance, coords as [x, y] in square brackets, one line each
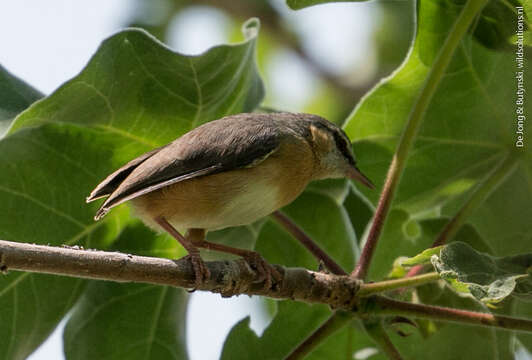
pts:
[111, 182]
[214, 147]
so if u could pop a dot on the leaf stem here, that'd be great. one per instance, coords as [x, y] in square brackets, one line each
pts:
[386, 306]
[307, 242]
[376, 332]
[335, 322]
[387, 285]
[470, 10]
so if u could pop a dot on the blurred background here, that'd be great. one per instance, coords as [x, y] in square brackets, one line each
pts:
[319, 60]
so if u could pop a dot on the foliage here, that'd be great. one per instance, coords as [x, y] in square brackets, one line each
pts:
[136, 94]
[487, 278]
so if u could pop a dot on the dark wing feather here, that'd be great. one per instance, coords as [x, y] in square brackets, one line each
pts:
[111, 182]
[222, 145]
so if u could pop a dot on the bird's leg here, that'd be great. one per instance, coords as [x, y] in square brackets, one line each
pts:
[255, 260]
[200, 270]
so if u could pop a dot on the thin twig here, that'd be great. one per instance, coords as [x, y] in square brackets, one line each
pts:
[307, 242]
[387, 285]
[375, 330]
[335, 322]
[469, 12]
[386, 306]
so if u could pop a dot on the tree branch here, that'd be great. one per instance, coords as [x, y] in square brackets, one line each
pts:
[227, 277]
[230, 278]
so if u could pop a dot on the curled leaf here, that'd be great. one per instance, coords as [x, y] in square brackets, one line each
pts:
[488, 279]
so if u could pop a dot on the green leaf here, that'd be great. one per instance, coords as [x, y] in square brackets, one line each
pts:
[466, 132]
[324, 220]
[15, 96]
[136, 87]
[489, 279]
[495, 28]
[31, 306]
[44, 177]
[422, 258]
[292, 324]
[455, 341]
[133, 321]
[301, 4]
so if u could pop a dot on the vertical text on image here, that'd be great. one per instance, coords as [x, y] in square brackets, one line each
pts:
[520, 78]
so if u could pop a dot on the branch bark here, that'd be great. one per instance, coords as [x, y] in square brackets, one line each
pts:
[227, 278]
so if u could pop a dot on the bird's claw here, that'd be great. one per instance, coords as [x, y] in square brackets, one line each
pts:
[265, 270]
[201, 271]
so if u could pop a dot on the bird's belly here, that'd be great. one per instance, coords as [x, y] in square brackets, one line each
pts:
[214, 202]
[256, 201]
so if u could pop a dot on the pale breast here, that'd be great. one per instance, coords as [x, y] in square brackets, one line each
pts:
[234, 197]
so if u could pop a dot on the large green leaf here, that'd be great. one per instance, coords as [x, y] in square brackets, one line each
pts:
[44, 176]
[468, 129]
[136, 87]
[15, 96]
[489, 279]
[134, 321]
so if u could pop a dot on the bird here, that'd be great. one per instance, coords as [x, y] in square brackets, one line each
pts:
[226, 173]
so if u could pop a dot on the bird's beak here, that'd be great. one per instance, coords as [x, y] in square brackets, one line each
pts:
[355, 174]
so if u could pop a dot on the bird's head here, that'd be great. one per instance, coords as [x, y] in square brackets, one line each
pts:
[334, 154]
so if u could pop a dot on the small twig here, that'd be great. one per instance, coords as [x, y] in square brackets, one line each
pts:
[375, 330]
[481, 193]
[387, 285]
[386, 306]
[307, 242]
[335, 322]
[415, 119]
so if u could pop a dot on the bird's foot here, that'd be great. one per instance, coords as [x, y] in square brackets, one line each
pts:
[201, 271]
[264, 269]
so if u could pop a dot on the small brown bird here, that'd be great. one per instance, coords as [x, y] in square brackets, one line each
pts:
[229, 172]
